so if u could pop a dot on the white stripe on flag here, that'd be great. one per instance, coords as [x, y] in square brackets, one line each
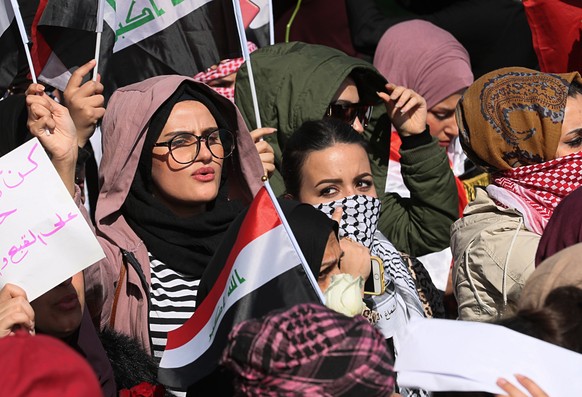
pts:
[55, 73]
[263, 259]
[136, 20]
[6, 15]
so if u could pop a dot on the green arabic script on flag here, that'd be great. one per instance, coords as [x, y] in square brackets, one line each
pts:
[136, 20]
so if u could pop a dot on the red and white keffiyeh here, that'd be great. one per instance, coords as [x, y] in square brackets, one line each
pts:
[535, 190]
[225, 68]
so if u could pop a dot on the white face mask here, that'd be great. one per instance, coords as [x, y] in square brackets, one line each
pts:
[360, 219]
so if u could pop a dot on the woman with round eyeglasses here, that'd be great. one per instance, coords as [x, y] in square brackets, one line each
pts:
[178, 166]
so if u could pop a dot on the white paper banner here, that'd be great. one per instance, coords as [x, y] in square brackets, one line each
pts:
[448, 355]
[44, 239]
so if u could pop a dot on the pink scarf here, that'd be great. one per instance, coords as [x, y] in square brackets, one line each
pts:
[535, 190]
[421, 56]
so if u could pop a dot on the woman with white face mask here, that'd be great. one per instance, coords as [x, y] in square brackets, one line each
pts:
[325, 164]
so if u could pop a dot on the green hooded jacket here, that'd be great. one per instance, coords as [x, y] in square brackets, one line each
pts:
[295, 82]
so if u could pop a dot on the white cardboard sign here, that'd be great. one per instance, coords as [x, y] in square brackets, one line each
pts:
[44, 238]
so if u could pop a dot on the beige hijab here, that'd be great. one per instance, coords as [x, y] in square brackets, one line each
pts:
[559, 270]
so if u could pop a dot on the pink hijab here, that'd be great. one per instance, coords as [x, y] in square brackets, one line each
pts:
[419, 55]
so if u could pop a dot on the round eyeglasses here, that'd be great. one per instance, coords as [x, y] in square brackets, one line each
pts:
[184, 147]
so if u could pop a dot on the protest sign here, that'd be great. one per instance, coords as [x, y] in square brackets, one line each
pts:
[44, 238]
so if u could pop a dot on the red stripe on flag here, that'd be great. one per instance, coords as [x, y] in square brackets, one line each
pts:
[40, 51]
[261, 218]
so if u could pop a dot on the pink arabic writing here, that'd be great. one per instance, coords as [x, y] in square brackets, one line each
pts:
[10, 175]
[17, 253]
[9, 180]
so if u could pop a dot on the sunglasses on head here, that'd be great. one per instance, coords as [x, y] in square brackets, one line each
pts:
[348, 112]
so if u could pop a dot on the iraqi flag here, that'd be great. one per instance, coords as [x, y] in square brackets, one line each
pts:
[141, 38]
[257, 20]
[256, 279]
[63, 38]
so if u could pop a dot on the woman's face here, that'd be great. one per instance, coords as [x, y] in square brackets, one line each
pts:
[186, 188]
[330, 262]
[334, 173]
[59, 311]
[571, 138]
[348, 93]
[441, 120]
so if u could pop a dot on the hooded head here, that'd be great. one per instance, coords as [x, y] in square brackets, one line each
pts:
[297, 82]
[131, 112]
[564, 228]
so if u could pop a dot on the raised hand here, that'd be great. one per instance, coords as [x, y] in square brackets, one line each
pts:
[265, 150]
[15, 310]
[85, 102]
[406, 109]
[51, 123]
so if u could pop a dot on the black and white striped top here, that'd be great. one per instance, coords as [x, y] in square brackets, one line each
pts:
[173, 300]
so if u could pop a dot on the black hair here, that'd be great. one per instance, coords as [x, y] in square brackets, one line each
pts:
[313, 136]
[558, 321]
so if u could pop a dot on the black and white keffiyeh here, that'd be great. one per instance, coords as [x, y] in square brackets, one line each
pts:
[400, 303]
[360, 223]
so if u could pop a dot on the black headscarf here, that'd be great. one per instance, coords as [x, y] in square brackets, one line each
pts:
[184, 244]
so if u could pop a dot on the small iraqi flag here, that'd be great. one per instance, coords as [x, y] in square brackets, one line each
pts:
[261, 273]
[141, 38]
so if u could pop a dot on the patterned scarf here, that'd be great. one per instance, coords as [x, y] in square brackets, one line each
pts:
[512, 117]
[225, 68]
[359, 222]
[309, 350]
[535, 190]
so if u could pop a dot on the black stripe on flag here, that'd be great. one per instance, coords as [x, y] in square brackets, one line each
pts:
[286, 290]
